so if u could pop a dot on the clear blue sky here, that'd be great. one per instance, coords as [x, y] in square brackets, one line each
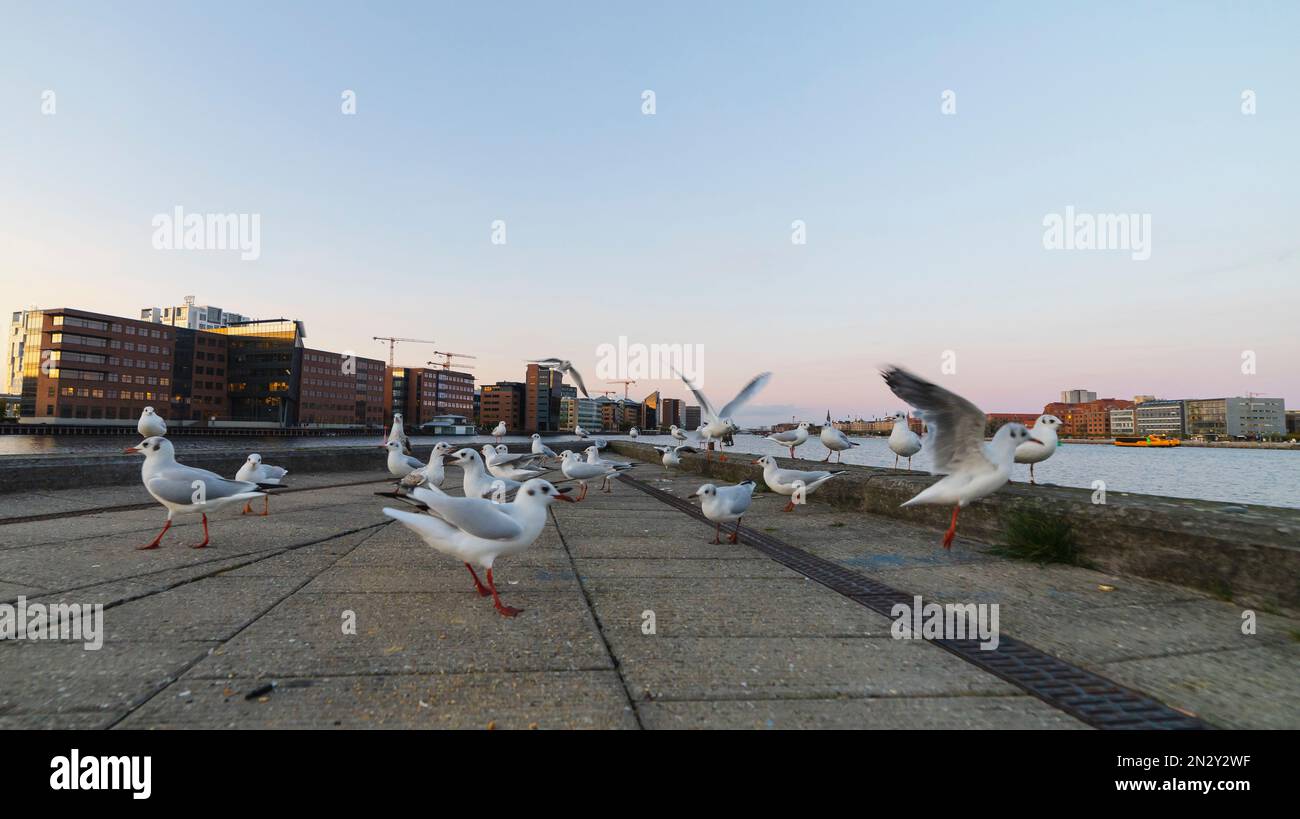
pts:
[924, 230]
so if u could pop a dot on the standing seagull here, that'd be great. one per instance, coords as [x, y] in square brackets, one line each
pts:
[580, 432]
[633, 433]
[673, 454]
[1042, 443]
[431, 474]
[564, 367]
[903, 441]
[678, 433]
[724, 504]
[835, 441]
[398, 434]
[718, 423]
[957, 443]
[185, 489]
[542, 449]
[789, 481]
[499, 431]
[150, 424]
[254, 471]
[581, 471]
[399, 463]
[518, 467]
[478, 482]
[477, 531]
[791, 438]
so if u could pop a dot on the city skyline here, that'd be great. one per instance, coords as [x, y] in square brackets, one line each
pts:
[924, 229]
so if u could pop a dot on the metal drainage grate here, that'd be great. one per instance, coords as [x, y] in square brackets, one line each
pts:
[1089, 697]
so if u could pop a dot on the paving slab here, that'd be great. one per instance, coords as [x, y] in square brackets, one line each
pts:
[516, 701]
[964, 713]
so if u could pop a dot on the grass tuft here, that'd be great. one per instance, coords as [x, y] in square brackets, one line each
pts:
[1039, 538]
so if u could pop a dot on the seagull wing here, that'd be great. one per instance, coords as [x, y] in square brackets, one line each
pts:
[705, 406]
[751, 389]
[956, 425]
[475, 516]
[784, 437]
[176, 485]
[577, 379]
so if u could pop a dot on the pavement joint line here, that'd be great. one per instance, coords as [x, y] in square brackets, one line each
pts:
[175, 677]
[136, 507]
[262, 555]
[600, 628]
[1089, 697]
[414, 672]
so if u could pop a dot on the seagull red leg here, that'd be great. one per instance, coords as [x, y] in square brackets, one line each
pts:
[789, 507]
[248, 508]
[1031, 473]
[952, 529]
[717, 536]
[478, 587]
[158, 540]
[736, 531]
[266, 505]
[506, 611]
[204, 544]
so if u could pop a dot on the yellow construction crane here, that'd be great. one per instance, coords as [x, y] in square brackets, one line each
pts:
[447, 357]
[392, 343]
[627, 382]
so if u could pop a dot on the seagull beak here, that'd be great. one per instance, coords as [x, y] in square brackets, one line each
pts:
[755, 463]
[693, 495]
[131, 450]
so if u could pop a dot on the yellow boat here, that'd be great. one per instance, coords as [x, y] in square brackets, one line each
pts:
[1148, 440]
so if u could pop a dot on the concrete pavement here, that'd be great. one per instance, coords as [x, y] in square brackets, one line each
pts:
[737, 639]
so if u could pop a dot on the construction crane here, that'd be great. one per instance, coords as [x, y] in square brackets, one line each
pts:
[392, 343]
[627, 382]
[447, 357]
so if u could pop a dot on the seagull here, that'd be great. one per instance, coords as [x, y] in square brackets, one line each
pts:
[398, 433]
[723, 504]
[564, 367]
[579, 431]
[581, 471]
[517, 467]
[431, 474]
[903, 441]
[835, 441]
[791, 438]
[957, 441]
[1042, 444]
[718, 423]
[478, 482]
[593, 457]
[600, 443]
[499, 431]
[399, 463]
[150, 424]
[785, 481]
[185, 489]
[542, 449]
[633, 433]
[673, 454]
[678, 433]
[254, 471]
[477, 531]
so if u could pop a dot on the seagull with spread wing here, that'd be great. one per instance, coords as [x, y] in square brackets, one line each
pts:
[566, 367]
[719, 423]
[956, 443]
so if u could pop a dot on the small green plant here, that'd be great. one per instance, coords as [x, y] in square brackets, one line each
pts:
[1220, 590]
[1040, 538]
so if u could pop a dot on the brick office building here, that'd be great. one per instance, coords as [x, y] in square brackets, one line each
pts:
[503, 401]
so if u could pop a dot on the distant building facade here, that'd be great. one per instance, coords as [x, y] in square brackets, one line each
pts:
[1251, 418]
[193, 316]
[692, 418]
[503, 401]
[1077, 396]
[542, 399]
[1123, 422]
[1160, 417]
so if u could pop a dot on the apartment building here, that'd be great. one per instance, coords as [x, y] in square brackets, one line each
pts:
[542, 399]
[1160, 417]
[583, 411]
[672, 412]
[503, 401]
[1251, 417]
[691, 417]
[1123, 422]
[193, 316]
[424, 393]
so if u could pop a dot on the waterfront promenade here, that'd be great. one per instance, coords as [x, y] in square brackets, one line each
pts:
[739, 637]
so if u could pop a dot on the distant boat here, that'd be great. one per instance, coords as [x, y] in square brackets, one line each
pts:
[1149, 441]
[448, 425]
